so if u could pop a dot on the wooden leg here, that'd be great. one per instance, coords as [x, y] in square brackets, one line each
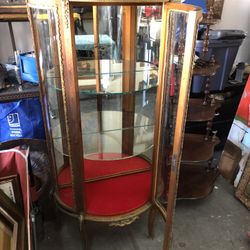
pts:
[57, 213]
[209, 165]
[83, 233]
[208, 130]
[151, 221]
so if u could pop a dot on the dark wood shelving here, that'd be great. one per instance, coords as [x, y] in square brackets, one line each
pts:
[197, 149]
[198, 112]
[208, 70]
[196, 181]
[16, 92]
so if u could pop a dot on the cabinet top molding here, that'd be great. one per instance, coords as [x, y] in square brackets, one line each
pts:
[96, 2]
[53, 3]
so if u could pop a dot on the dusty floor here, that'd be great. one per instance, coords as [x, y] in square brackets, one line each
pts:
[219, 222]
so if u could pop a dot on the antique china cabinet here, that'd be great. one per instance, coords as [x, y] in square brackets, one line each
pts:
[115, 110]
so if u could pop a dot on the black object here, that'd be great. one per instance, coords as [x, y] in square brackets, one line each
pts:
[3, 76]
[226, 34]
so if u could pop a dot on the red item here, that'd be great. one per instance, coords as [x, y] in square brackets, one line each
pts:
[12, 162]
[153, 11]
[243, 111]
[114, 196]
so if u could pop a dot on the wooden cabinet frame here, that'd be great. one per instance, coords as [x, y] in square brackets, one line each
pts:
[70, 94]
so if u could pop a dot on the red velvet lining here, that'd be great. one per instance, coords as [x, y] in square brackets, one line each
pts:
[115, 196]
[98, 168]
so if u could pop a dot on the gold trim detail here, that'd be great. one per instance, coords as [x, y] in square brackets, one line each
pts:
[124, 222]
[66, 12]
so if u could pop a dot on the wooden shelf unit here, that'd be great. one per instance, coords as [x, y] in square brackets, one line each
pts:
[197, 175]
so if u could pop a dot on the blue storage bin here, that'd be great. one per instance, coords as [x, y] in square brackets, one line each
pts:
[27, 64]
[225, 52]
[200, 3]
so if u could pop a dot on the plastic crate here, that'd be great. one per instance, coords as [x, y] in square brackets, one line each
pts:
[27, 64]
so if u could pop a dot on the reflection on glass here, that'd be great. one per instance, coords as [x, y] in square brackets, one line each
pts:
[177, 26]
[148, 33]
[108, 22]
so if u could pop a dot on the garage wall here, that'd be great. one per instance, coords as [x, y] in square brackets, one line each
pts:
[23, 39]
[236, 15]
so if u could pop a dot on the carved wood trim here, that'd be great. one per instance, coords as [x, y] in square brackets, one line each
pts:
[243, 189]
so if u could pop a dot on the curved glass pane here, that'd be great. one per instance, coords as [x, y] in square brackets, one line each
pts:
[46, 30]
[107, 124]
[117, 51]
[174, 78]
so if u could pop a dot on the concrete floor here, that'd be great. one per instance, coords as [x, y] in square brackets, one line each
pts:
[219, 222]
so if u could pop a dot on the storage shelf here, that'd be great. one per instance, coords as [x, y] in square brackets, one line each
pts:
[209, 70]
[197, 149]
[195, 181]
[14, 92]
[198, 112]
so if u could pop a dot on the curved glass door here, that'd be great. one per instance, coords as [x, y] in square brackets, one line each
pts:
[117, 79]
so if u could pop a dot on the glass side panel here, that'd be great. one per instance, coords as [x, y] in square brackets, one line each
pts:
[44, 21]
[173, 74]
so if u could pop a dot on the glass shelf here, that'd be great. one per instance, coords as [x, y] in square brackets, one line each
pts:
[103, 135]
[113, 75]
